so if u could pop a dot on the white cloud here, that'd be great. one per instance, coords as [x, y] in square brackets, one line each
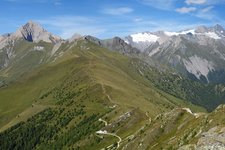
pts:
[160, 4]
[207, 9]
[189, 2]
[159, 25]
[204, 2]
[185, 10]
[67, 26]
[207, 13]
[117, 11]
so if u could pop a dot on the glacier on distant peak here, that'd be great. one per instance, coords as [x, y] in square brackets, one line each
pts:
[192, 31]
[212, 35]
[144, 37]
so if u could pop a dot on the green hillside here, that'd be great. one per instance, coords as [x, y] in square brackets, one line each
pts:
[25, 58]
[208, 96]
[59, 104]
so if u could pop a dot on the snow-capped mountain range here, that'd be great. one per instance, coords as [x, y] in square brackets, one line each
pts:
[144, 39]
[199, 52]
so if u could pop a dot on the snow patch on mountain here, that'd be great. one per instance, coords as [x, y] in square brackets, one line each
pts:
[198, 66]
[126, 41]
[144, 37]
[192, 31]
[142, 40]
[171, 33]
[38, 48]
[212, 35]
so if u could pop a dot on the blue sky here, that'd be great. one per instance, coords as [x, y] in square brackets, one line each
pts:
[108, 18]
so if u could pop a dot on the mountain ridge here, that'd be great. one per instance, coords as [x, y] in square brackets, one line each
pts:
[188, 51]
[88, 93]
[178, 50]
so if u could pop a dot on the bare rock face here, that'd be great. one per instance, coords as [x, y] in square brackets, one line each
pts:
[33, 32]
[212, 139]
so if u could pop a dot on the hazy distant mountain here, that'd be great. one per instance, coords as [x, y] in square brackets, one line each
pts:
[115, 44]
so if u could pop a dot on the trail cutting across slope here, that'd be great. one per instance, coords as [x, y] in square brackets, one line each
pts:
[149, 118]
[196, 115]
[111, 134]
[100, 132]
[105, 93]
[105, 122]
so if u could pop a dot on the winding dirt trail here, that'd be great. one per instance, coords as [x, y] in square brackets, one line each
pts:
[149, 118]
[110, 134]
[105, 122]
[105, 93]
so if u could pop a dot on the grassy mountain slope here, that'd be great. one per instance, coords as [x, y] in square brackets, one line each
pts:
[180, 129]
[208, 96]
[60, 103]
[26, 56]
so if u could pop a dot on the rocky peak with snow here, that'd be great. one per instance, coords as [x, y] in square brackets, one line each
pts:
[143, 40]
[219, 30]
[215, 32]
[198, 51]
